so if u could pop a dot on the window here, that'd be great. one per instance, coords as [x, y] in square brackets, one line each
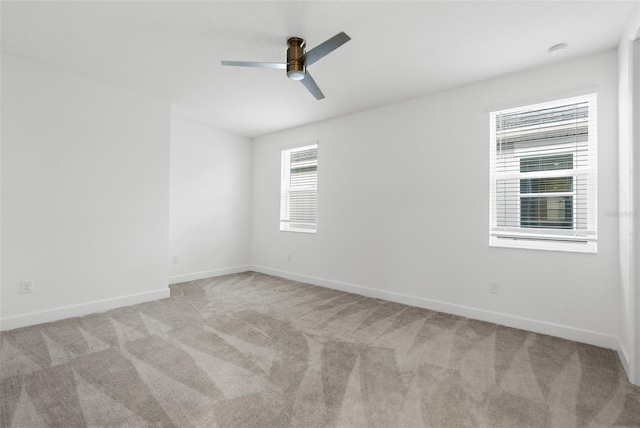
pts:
[543, 176]
[298, 203]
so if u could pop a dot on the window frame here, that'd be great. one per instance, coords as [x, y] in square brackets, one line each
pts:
[575, 239]
[286, 189]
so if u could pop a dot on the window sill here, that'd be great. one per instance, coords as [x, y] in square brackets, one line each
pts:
[286, 229]
[587, 246]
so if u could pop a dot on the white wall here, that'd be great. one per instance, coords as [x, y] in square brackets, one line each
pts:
[404, 204]
[85, 194]
[629, 198]
[635, 174]
[626, 205]
[210, 201]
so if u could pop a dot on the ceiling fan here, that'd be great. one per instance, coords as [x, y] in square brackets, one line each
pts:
[298, 60]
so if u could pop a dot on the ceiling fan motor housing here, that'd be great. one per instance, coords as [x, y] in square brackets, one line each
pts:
[295, 65]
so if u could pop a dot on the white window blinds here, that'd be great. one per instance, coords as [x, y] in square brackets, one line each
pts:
[299, 184]
[543, 176]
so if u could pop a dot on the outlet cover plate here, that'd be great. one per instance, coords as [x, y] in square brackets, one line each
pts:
[26, 286]
[494, 287]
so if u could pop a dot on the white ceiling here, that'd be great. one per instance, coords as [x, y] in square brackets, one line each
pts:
[399, 50]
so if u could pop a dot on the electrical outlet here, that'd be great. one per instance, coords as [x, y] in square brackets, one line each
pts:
[174, 259]
[26, 286]
[289, 258]
[494, 287]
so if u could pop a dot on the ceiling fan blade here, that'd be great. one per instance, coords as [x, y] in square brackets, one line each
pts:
[311, 86]
[275, 65]
[325, 48]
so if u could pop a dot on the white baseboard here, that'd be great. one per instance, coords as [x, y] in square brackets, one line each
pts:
[626, 362]
[176, 279]
[81, 309]
[552, 329]
[543, 327]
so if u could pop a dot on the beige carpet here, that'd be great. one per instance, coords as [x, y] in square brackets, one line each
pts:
[251, 350]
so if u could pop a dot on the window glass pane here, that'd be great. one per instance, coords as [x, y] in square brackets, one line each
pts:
[570, 113]
[553, 212]
[546, 185]
[547, 163]
[306, 176]
[301, 156]
[302, 207]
